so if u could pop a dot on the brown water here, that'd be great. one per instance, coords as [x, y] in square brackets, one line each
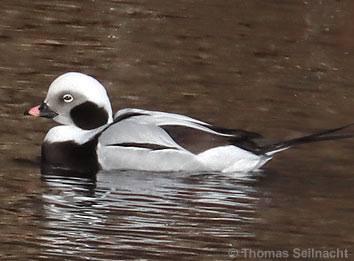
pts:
[280, 67]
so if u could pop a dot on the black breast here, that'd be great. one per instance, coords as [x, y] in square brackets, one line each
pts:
[68, 158]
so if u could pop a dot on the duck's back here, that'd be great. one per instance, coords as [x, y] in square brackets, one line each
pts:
[158, 141]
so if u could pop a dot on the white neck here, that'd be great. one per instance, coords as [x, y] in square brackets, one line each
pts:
[65, 133]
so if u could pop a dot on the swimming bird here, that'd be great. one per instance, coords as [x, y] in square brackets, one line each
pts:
[90, 138]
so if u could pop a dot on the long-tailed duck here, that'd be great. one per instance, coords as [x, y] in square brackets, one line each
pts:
[91, 138]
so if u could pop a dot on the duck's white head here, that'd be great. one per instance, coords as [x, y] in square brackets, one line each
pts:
[76, 99]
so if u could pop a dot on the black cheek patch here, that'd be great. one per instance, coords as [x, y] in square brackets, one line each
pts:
[88, 116]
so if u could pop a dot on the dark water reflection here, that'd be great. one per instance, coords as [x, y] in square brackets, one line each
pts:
[132, 215]
[283, 68]
[147, 215]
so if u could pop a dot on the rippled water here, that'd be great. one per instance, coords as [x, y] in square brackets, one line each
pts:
[147, 215]
[283, 68]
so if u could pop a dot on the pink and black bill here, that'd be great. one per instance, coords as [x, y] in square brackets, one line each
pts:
[42, 110]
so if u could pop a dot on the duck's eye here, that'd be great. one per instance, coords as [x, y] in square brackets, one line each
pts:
[68, 98]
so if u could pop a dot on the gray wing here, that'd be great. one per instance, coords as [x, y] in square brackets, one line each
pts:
[132, 133]
[159, 130]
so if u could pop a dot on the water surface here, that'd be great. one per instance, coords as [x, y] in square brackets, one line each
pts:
[282, 68]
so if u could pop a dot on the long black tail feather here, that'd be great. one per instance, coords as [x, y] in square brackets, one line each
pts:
[319, 136]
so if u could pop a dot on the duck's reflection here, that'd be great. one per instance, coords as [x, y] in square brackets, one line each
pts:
[162, 211]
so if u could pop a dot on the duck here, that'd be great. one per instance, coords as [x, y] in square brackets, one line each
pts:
[91, 138]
